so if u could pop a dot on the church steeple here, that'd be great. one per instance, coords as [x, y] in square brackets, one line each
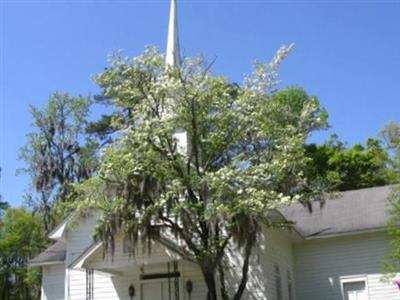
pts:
[173, 59]
[173, 53]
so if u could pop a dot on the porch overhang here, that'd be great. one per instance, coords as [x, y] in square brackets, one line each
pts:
[115, 265]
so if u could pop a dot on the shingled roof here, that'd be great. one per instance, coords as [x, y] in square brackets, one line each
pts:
[52, 255]
[361, 210]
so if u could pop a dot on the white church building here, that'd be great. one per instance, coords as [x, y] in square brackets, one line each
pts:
[334, 253]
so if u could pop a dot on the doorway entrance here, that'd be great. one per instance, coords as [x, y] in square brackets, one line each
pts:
[159, 290]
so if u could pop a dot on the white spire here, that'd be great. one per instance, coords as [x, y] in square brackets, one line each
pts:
[173, 53]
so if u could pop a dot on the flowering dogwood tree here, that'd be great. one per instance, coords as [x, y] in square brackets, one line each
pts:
[243, 159]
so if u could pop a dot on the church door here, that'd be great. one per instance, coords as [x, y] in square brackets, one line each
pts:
[158, 290]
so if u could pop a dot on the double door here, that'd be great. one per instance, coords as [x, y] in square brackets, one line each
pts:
[160, 289]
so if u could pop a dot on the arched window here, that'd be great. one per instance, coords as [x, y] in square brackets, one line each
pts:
[290, 286]
[278, 283]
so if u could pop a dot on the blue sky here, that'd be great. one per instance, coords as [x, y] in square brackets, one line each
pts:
[346, 52]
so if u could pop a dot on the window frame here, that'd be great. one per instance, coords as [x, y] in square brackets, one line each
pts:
[352, 279]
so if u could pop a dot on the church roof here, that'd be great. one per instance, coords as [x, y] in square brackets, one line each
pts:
[54, 254]
[354, 211]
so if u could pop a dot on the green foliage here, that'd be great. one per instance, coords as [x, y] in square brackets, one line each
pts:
[21, 238]
[58, 153]
[343, 168]
[391, 136]
[244, 158]
[391, 265]
[102, 129]
[294, 100]
[3, 204]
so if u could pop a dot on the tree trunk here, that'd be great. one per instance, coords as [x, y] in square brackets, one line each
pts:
[245, 267]
[210, 282]
[224, 293]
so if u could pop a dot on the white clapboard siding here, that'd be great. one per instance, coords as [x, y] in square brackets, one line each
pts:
[53, 282]
[193, 273]
[142, 261]
[128, 268]
[274, 248]
[78, 238]
[320, 264]
[103, 286]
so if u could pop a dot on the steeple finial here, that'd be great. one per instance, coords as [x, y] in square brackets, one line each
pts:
[173, 53]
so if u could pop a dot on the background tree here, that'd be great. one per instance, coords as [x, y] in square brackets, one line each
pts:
[391, 136]
[58, 153]
[245, 158]
[21, 238]
[343, 168]
[3, 204]
[104, 129]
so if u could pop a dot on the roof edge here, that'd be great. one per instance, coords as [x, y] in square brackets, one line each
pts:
[47, 263]
[87, 253]
[346, 233]
[58, 232]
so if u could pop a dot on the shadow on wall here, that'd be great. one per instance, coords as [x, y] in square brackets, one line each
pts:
[274, 252]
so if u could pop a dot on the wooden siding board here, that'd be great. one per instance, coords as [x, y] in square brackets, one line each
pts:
[320, 264]
[53, 282]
